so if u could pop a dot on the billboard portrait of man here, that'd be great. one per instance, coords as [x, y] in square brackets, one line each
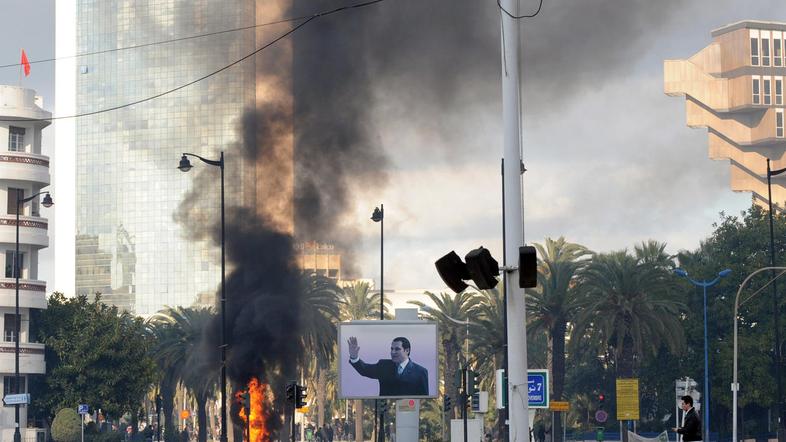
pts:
[397, 376]
[388, 359]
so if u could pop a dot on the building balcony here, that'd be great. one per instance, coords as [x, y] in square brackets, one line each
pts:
[722, 95]
[32, 293]
[25, 166]
[31, 358]
[32, 230]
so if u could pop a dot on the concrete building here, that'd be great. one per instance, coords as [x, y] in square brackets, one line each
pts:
[121, 165]
[23, 172]
[734, 89]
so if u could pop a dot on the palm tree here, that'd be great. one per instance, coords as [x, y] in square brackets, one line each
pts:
[198, 373]
[356, 304]
[488, 340]
[448, 310]
[552, 305]
[165, 352]
[319, 313]
[631, 304]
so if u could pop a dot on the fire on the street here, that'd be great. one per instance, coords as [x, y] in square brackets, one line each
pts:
[259, 432]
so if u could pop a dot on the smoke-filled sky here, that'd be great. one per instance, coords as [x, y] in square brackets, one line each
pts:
[610, 160]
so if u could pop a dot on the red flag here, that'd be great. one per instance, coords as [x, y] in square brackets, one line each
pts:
[25, 63]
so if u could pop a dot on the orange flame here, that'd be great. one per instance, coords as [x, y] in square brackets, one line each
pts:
[259, 432]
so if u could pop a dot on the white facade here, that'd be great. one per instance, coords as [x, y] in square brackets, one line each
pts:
[23, 172]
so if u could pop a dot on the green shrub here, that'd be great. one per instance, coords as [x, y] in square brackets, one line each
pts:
[67, 426]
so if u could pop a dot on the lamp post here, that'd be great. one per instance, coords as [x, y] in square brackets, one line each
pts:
[704, 285]
[735, 386]
[185, 166]
[47, 202]
[781, 434]
[379, 217]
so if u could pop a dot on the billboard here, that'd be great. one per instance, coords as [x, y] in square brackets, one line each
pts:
[387, 359]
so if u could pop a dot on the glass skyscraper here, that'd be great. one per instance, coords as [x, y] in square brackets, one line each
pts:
[128, 245]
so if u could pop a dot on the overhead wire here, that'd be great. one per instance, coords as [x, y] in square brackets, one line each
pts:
[155, 43]
[206, 76]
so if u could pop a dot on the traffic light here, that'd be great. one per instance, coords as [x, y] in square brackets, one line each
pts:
[245, 399]
[473, 382]
[291, 392]
[300, 396]
[601, 400]
[446, 403]
[475, 404]
[383, 407]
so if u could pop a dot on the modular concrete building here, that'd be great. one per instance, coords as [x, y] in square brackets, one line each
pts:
[734, 89]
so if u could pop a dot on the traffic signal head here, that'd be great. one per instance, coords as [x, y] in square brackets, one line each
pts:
[473, 382]
[291, 392]
[447, 405]
[300, 396]
[483, 268]
[601, 398]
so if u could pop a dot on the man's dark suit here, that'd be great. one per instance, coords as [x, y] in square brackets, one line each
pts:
[413, 381]
[691, 429]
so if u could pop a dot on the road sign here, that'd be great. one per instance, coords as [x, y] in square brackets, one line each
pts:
[559, 406]
[14, 399]
[627, 399]
[82, 409]
[538, 388]
[601, 416]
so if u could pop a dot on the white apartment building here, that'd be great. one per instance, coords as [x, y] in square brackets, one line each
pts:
[23, 172]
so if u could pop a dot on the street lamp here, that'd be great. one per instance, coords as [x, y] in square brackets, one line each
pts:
[47, 202]
[781, 434]
[379, 217]
[185, 166]
[704, 284]
[735, 386]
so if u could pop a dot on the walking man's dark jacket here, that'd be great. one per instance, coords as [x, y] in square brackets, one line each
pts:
[691, 429]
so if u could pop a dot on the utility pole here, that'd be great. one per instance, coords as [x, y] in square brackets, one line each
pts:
[518, 418]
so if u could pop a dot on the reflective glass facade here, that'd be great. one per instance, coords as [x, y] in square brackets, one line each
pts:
[128, 246]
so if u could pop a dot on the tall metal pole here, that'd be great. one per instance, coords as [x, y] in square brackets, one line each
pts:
[706, 373]
[781, 434]
[381, 431]
[223, 315]
[518, 417]
[17, 328]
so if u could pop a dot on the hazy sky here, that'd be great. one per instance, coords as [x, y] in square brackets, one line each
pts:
[610, 160]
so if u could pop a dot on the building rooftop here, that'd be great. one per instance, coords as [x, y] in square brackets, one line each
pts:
[755, 24]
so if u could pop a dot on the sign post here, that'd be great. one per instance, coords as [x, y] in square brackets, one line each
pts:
[82, 410]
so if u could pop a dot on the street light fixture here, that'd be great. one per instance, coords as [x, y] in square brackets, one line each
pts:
[47, 202]
[704, 285]
[185, 166]
[781, 433]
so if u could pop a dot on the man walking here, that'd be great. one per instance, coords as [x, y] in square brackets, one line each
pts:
[691, 425]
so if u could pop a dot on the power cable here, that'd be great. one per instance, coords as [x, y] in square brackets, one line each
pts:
[155, 43]
[517, 17]
[256, 51]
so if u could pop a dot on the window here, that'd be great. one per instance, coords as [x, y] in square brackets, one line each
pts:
[765, 50]
[9, 263]
[779, 123]
[754, 88]
[754, 48]
[777, 51]
[9, 328]
[767, 91]
[14, 195]
[16, 139]
[9, 384]
[778, 91]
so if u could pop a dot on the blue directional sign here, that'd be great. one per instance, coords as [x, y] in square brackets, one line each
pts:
[538, 388]
[82, 409]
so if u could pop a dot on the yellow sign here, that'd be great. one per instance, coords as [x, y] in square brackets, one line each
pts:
[559, 405]
[627, 399]
[303, 410]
